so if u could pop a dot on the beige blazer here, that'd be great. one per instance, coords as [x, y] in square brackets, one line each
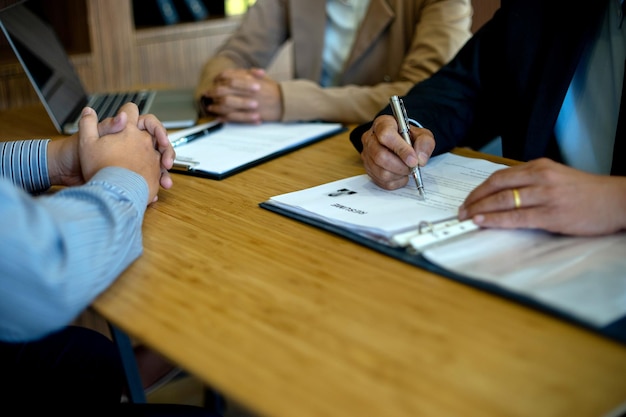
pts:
[400, 43]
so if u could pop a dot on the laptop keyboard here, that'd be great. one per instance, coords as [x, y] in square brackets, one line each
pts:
[107, 105]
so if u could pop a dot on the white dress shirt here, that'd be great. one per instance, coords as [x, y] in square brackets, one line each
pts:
[343, 20]
[587, 122]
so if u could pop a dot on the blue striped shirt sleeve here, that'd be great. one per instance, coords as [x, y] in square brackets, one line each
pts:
[25, 164]
[60, 250]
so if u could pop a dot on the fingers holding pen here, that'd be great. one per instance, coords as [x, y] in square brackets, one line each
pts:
[380, 159]
[422, 147]
[388, 158]
[423, 143]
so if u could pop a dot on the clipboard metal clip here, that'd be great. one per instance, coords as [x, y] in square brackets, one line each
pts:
[183, 163]
[429, 233]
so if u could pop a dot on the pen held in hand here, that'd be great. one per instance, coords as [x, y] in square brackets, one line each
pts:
[399, 112]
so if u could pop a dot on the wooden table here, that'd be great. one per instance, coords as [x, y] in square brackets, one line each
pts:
[292, 321]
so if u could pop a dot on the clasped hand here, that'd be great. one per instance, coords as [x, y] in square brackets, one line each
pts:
[138, 143]
[245, 96]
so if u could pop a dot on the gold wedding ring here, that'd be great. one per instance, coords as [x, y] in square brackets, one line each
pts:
[516, 198]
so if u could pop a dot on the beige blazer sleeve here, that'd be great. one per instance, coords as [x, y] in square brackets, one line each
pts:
[264, 29]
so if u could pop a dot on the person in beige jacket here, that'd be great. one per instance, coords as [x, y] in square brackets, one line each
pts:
[349, 57]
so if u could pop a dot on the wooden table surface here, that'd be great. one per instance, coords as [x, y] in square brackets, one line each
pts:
[291, 321]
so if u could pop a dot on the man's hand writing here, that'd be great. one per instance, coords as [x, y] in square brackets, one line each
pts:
[387, 157]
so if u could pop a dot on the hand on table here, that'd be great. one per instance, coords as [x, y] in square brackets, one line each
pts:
[551, 196]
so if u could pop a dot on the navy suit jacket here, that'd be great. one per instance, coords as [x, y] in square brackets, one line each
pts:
[510, 80]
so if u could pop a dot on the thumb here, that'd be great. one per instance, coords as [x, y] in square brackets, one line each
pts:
[424, 144]
[257, 72]
[113, 125]
[88, 125]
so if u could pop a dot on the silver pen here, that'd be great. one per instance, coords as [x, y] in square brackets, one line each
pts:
[399, 112]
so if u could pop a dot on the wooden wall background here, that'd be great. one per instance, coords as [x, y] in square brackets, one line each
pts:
[110, 54]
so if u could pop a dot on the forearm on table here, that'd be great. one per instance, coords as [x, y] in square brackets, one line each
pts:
[61, 251]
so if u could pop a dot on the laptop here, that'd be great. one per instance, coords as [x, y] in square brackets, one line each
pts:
[61, 91]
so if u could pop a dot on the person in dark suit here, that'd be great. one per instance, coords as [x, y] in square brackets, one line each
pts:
[546, 77]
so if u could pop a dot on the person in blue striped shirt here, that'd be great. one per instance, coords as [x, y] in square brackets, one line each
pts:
[59, 250]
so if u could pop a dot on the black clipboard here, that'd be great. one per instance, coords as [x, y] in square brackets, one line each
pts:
[615, 330]
[191, 168]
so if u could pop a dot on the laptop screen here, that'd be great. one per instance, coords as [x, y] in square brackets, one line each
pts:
[8, 3]
[45, 62]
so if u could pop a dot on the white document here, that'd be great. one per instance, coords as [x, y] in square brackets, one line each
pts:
[238, 146]
[361, 206]
[582, 277]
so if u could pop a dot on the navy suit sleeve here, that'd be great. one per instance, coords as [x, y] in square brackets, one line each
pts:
[454, 102]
